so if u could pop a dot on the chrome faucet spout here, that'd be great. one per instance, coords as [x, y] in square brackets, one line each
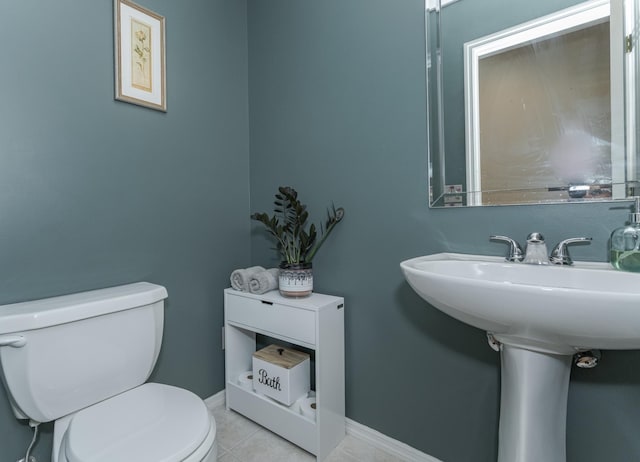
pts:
[536, 252]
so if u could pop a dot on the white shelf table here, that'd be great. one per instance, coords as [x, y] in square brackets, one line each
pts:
[315, 322]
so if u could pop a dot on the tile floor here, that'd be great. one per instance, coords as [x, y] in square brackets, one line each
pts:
[241, 440]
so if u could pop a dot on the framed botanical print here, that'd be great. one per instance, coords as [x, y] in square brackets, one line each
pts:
[139, 56]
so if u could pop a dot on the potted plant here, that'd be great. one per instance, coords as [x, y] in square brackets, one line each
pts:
[297, 244]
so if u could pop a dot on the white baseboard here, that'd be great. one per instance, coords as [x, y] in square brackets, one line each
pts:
[216, 400]
[369, 435]
[389, 445]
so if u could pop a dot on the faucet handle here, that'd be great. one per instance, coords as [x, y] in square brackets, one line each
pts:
[515, 252]
[560, 253]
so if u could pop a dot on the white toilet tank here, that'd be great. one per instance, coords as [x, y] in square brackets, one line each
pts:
[62, 354]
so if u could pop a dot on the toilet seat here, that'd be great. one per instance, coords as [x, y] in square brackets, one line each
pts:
[150, 423]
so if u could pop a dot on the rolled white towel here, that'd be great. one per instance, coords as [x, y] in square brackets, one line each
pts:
[264, 281]
[240, 277]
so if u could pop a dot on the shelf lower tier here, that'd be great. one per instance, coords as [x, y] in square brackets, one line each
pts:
[278, 418]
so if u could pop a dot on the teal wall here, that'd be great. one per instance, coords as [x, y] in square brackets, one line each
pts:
[337, 110]
[95, 192]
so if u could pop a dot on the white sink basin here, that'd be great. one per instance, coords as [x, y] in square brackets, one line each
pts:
[540, 315]
[549, 308]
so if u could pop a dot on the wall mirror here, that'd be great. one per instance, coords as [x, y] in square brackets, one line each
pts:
[531, 102]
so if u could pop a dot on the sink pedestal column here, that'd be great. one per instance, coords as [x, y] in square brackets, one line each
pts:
[533, 406]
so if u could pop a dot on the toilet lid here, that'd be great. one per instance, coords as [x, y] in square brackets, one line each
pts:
[151, 423]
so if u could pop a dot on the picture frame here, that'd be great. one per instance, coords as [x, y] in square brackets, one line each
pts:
[140, 68]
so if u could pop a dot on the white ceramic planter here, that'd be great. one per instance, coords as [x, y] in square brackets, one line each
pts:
[296, 280]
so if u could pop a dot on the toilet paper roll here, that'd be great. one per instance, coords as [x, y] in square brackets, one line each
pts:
[246, 380]
[308, 408]
[295, 407]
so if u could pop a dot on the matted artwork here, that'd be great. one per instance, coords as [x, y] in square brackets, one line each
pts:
[139, 56]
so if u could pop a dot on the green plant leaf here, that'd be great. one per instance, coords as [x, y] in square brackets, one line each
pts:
[288, 226]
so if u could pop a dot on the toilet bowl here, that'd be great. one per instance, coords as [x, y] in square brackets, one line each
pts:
[82, 361]
[152, 422]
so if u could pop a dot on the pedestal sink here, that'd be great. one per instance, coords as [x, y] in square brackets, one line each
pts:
[541, 315]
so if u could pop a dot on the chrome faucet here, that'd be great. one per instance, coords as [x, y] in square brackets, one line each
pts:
[536, 250]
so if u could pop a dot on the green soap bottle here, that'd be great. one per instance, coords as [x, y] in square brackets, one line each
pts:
[625, 243]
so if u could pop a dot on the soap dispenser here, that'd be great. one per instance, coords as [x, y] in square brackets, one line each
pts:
[625, 243]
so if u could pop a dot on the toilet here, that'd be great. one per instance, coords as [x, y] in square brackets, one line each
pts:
[82, 361]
